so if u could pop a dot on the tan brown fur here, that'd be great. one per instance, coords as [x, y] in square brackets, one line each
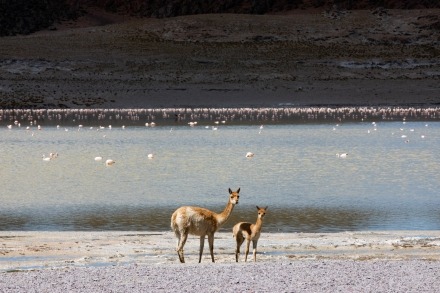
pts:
[201, 222]
[249, 232]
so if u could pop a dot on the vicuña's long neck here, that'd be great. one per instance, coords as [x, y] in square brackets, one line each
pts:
[258, 224]
[224, 216]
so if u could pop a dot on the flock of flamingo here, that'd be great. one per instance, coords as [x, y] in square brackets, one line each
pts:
[192, 116]
[176, 116]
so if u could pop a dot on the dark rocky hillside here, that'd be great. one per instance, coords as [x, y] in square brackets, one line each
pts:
[28, 16]
[170, 8]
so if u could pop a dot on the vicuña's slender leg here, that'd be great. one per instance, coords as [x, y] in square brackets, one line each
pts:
[240, 240]
[182, 241]
[202, 244]
[254, 244]
[211, 245]
[248, 242]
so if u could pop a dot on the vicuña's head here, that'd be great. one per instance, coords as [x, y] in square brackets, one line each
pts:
[234, 196]
[261, 212]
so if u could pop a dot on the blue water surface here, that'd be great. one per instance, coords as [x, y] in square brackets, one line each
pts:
[389, 180]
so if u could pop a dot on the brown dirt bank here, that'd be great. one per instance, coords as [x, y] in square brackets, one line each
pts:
[388, 57]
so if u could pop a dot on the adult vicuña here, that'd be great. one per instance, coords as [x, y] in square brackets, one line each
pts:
[201, 222]
[250, 232]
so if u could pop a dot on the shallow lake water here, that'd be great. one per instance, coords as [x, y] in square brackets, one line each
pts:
[389, 180]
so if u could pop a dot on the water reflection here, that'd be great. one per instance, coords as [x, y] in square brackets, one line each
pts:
[158, 219]
[312, 219]
[124, 219]
[13, 222]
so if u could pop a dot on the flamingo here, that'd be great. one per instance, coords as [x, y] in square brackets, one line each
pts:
[109, 162]
[343, 155]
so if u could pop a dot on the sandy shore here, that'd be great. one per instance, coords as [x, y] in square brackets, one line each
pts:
[388, 261]
[38, 250]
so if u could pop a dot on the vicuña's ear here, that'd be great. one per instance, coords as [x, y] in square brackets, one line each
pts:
[230, 191]
[238, 190]
[258, 208]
